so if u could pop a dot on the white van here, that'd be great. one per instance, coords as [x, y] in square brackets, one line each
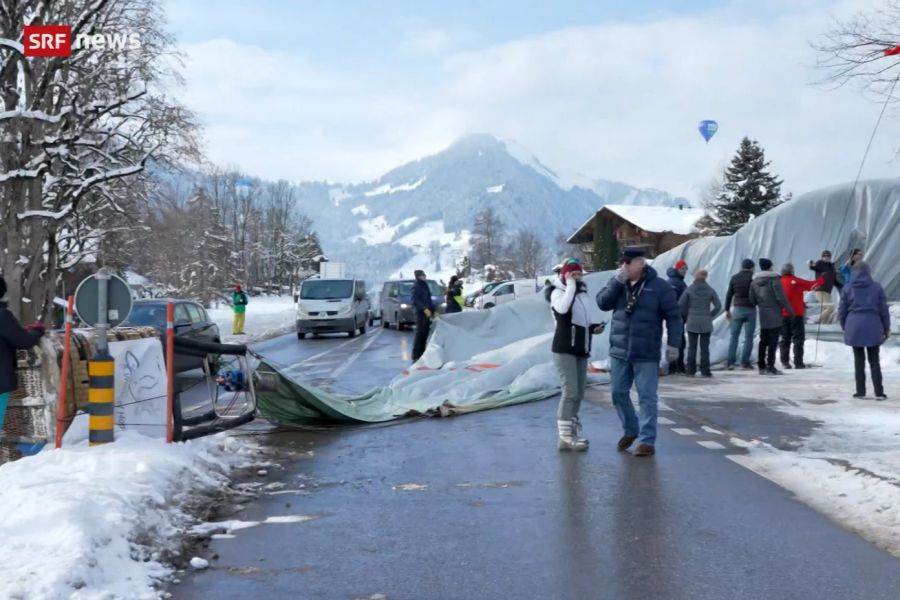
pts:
[332, 306]
[506, 292]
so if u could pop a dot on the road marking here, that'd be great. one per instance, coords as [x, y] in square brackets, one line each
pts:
[711, 445]
[315, 357]
[683, 431]
[352, 358]
[708, 429]
[665, 421]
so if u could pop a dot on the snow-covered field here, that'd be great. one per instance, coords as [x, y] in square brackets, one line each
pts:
[267, 316]
[98, 522]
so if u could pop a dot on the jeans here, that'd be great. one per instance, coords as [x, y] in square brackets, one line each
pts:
[423, 328]
[573, 379]
[768, 344]
[743, 318]
[694, 340]
[793, 330]
[859, 362]
[4, 399]
[645, 376]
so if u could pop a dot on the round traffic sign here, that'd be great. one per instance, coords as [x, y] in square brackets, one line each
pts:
[118, 300]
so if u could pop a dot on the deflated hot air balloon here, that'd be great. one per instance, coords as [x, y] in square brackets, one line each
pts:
[708, 128]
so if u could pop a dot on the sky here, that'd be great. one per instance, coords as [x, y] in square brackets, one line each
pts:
[345, 91]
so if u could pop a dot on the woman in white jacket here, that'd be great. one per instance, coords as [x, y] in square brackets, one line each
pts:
[571, 349]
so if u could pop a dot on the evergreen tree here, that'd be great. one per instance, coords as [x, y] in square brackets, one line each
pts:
[747, 191]
[606, 246]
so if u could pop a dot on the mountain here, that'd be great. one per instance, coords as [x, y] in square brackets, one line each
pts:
[420, 215]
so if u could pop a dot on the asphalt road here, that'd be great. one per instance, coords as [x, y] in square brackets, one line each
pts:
[484, 506]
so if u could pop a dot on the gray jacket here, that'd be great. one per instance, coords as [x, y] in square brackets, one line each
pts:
[767, 294]
[695, 307]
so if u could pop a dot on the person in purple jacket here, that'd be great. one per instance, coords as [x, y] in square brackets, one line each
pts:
[867, 324]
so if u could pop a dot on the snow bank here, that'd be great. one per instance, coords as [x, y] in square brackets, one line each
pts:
[267, 316]
[97, 522]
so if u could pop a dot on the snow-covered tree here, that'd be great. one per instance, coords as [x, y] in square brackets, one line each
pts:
[747, 190]
[76, 133]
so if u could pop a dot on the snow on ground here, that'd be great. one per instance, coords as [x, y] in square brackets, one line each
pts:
[495, 189]
[378, 231]
[337, 194]
[96, 522]
[267, 316]
[362, 209]
[389, 189]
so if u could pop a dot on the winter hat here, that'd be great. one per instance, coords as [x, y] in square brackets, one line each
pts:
[787, 269]
[680, 264]
[419, 273]
[2, 288]
[237, 288]
[748, 264]
[765, 264]
[570, 266]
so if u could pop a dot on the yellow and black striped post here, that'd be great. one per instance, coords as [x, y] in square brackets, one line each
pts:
[101, 398]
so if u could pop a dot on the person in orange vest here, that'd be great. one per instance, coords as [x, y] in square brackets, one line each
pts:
[794, 328]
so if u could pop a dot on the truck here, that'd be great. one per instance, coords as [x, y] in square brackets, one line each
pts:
[332, 270]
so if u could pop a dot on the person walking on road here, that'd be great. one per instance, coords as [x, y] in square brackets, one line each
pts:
[640, 301]
[699, 306]
[846, 271]
[571, 350]
[454, 298]
[866, 323]
[423, 307]
[743, 317]
[676, 280]
[12, 337]
[824, 268]
[793, 329]
[768, 296]
[239, 302]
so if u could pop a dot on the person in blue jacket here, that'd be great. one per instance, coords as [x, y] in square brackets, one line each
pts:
[640, 301]
[423, 306]
[846, 271]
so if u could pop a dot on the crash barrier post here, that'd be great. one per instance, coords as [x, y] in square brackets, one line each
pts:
[64, 374]
[170, 371]
[101, 397]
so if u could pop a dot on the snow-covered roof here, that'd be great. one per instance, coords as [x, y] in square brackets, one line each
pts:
[657, 219]
[653, 219]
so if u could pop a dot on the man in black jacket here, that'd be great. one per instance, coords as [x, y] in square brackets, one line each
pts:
[743, 318]
[12, 337]
[424, 309]
[824, 268]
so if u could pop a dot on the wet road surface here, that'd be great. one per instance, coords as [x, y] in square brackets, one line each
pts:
[484, 506]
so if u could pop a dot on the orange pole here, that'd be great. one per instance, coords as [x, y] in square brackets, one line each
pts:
[64, 374]
[170, 370]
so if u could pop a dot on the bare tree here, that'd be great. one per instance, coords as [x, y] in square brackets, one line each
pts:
[488, 234]
[76, 134]
[854, 50]
[528, 254]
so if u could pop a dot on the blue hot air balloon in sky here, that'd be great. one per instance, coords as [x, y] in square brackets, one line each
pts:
[708, 128]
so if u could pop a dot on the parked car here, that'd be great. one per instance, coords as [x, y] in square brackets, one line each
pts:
[396, 302]
[506, 292]
[191, 322]
[332, 306]
[472, 298]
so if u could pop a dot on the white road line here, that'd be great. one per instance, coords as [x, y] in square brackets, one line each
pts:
[665, 421]
[711, 430]
[711, 445]
[352, 358]
[315, 357]
[683, 431]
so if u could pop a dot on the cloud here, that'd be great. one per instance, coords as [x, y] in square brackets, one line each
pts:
[616, 101]
[428, 41]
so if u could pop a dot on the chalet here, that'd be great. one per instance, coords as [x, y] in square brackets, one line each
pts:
[655, 229]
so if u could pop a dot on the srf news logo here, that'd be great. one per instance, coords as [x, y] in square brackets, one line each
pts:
[56, 40]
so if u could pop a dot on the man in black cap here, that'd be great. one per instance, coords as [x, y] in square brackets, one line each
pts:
[640, 301]
[824, 268]
[423, 306]
[12, 337]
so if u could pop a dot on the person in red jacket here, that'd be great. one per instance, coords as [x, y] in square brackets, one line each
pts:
[794, 328]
